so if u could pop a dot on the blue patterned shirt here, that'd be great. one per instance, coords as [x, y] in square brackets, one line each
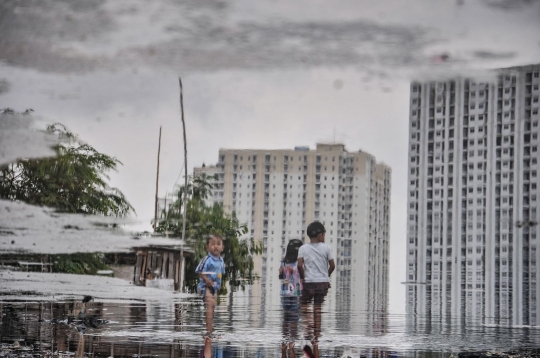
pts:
[214, 268]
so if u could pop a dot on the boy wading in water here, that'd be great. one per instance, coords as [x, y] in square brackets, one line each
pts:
[210, 270]
[315, 265]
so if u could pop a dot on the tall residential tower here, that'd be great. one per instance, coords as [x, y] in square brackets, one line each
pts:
[473, 198]
[277, 193]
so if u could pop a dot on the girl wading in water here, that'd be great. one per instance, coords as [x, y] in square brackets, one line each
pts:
[291, 290]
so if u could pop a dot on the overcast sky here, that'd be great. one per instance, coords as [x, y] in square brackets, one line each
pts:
[265, 74]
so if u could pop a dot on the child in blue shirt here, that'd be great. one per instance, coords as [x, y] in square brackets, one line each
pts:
[210, 270]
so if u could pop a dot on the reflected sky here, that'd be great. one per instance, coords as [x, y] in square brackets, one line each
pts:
[213, 35]
[265, 74]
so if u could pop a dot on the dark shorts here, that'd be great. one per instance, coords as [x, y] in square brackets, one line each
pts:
[315, 291]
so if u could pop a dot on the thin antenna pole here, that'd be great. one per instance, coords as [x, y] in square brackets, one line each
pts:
[166, 217]
[157, 181]
[185, 160]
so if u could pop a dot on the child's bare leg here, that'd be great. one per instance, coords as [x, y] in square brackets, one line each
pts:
[294, 330]
[307, 317]
[291, 350]
[210, 302]
[317, 318]
[207, 347]
[80, 347]
[283, 350]
[316, 349]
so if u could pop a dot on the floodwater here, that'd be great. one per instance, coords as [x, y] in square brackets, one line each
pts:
[176, 329]
[256, 74]
[173, 325]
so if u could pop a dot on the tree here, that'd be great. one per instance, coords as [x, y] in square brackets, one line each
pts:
[79, 263]
[202, 220]
[73, 181]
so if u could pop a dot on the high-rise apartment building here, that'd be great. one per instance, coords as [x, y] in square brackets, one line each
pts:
[473, 190]
[277, 193]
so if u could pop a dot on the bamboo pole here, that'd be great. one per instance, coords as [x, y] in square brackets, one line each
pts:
[157, 181]
[185, 161]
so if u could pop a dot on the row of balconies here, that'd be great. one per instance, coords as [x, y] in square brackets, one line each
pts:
[235, 158]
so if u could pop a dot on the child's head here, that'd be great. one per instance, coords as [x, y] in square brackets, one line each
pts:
[292, 251]
[315, 229]
[214, 244]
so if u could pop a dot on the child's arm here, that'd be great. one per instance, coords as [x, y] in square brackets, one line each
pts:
[331, 267]
[209, 282]
[301, 268]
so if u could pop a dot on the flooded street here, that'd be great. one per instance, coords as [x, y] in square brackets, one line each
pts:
[269, 75]
[44, 312]
[175, 329]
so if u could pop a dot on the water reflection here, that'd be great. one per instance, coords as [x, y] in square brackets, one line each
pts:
[157, 267]
[132, 329]
[175, 328]
[177, 331]
[287, 347]
[303, 44]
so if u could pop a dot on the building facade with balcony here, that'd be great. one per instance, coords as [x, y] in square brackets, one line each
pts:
[277, 193]
[473, 198]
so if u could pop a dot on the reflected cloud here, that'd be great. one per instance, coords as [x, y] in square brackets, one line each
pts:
[490, 55]
[34, 229]
[4, 86]
[508, 4]
[18, 128]
[189, 37]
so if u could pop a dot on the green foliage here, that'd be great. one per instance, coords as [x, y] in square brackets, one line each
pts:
[73, 181]
[82, 264]
[202, 220]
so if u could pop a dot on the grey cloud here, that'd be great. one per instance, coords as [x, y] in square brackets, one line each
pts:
[16, 129]
[47, 36]
[508, 4]
[258, 46]
[4, 85]
[490, 55]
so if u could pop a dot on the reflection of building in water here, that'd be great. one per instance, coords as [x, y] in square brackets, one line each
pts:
[278, 192]
[473, 182]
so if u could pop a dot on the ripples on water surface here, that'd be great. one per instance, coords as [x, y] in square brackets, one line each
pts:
[176, 329]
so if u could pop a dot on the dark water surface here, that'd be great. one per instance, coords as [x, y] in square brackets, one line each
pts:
[175, 329]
